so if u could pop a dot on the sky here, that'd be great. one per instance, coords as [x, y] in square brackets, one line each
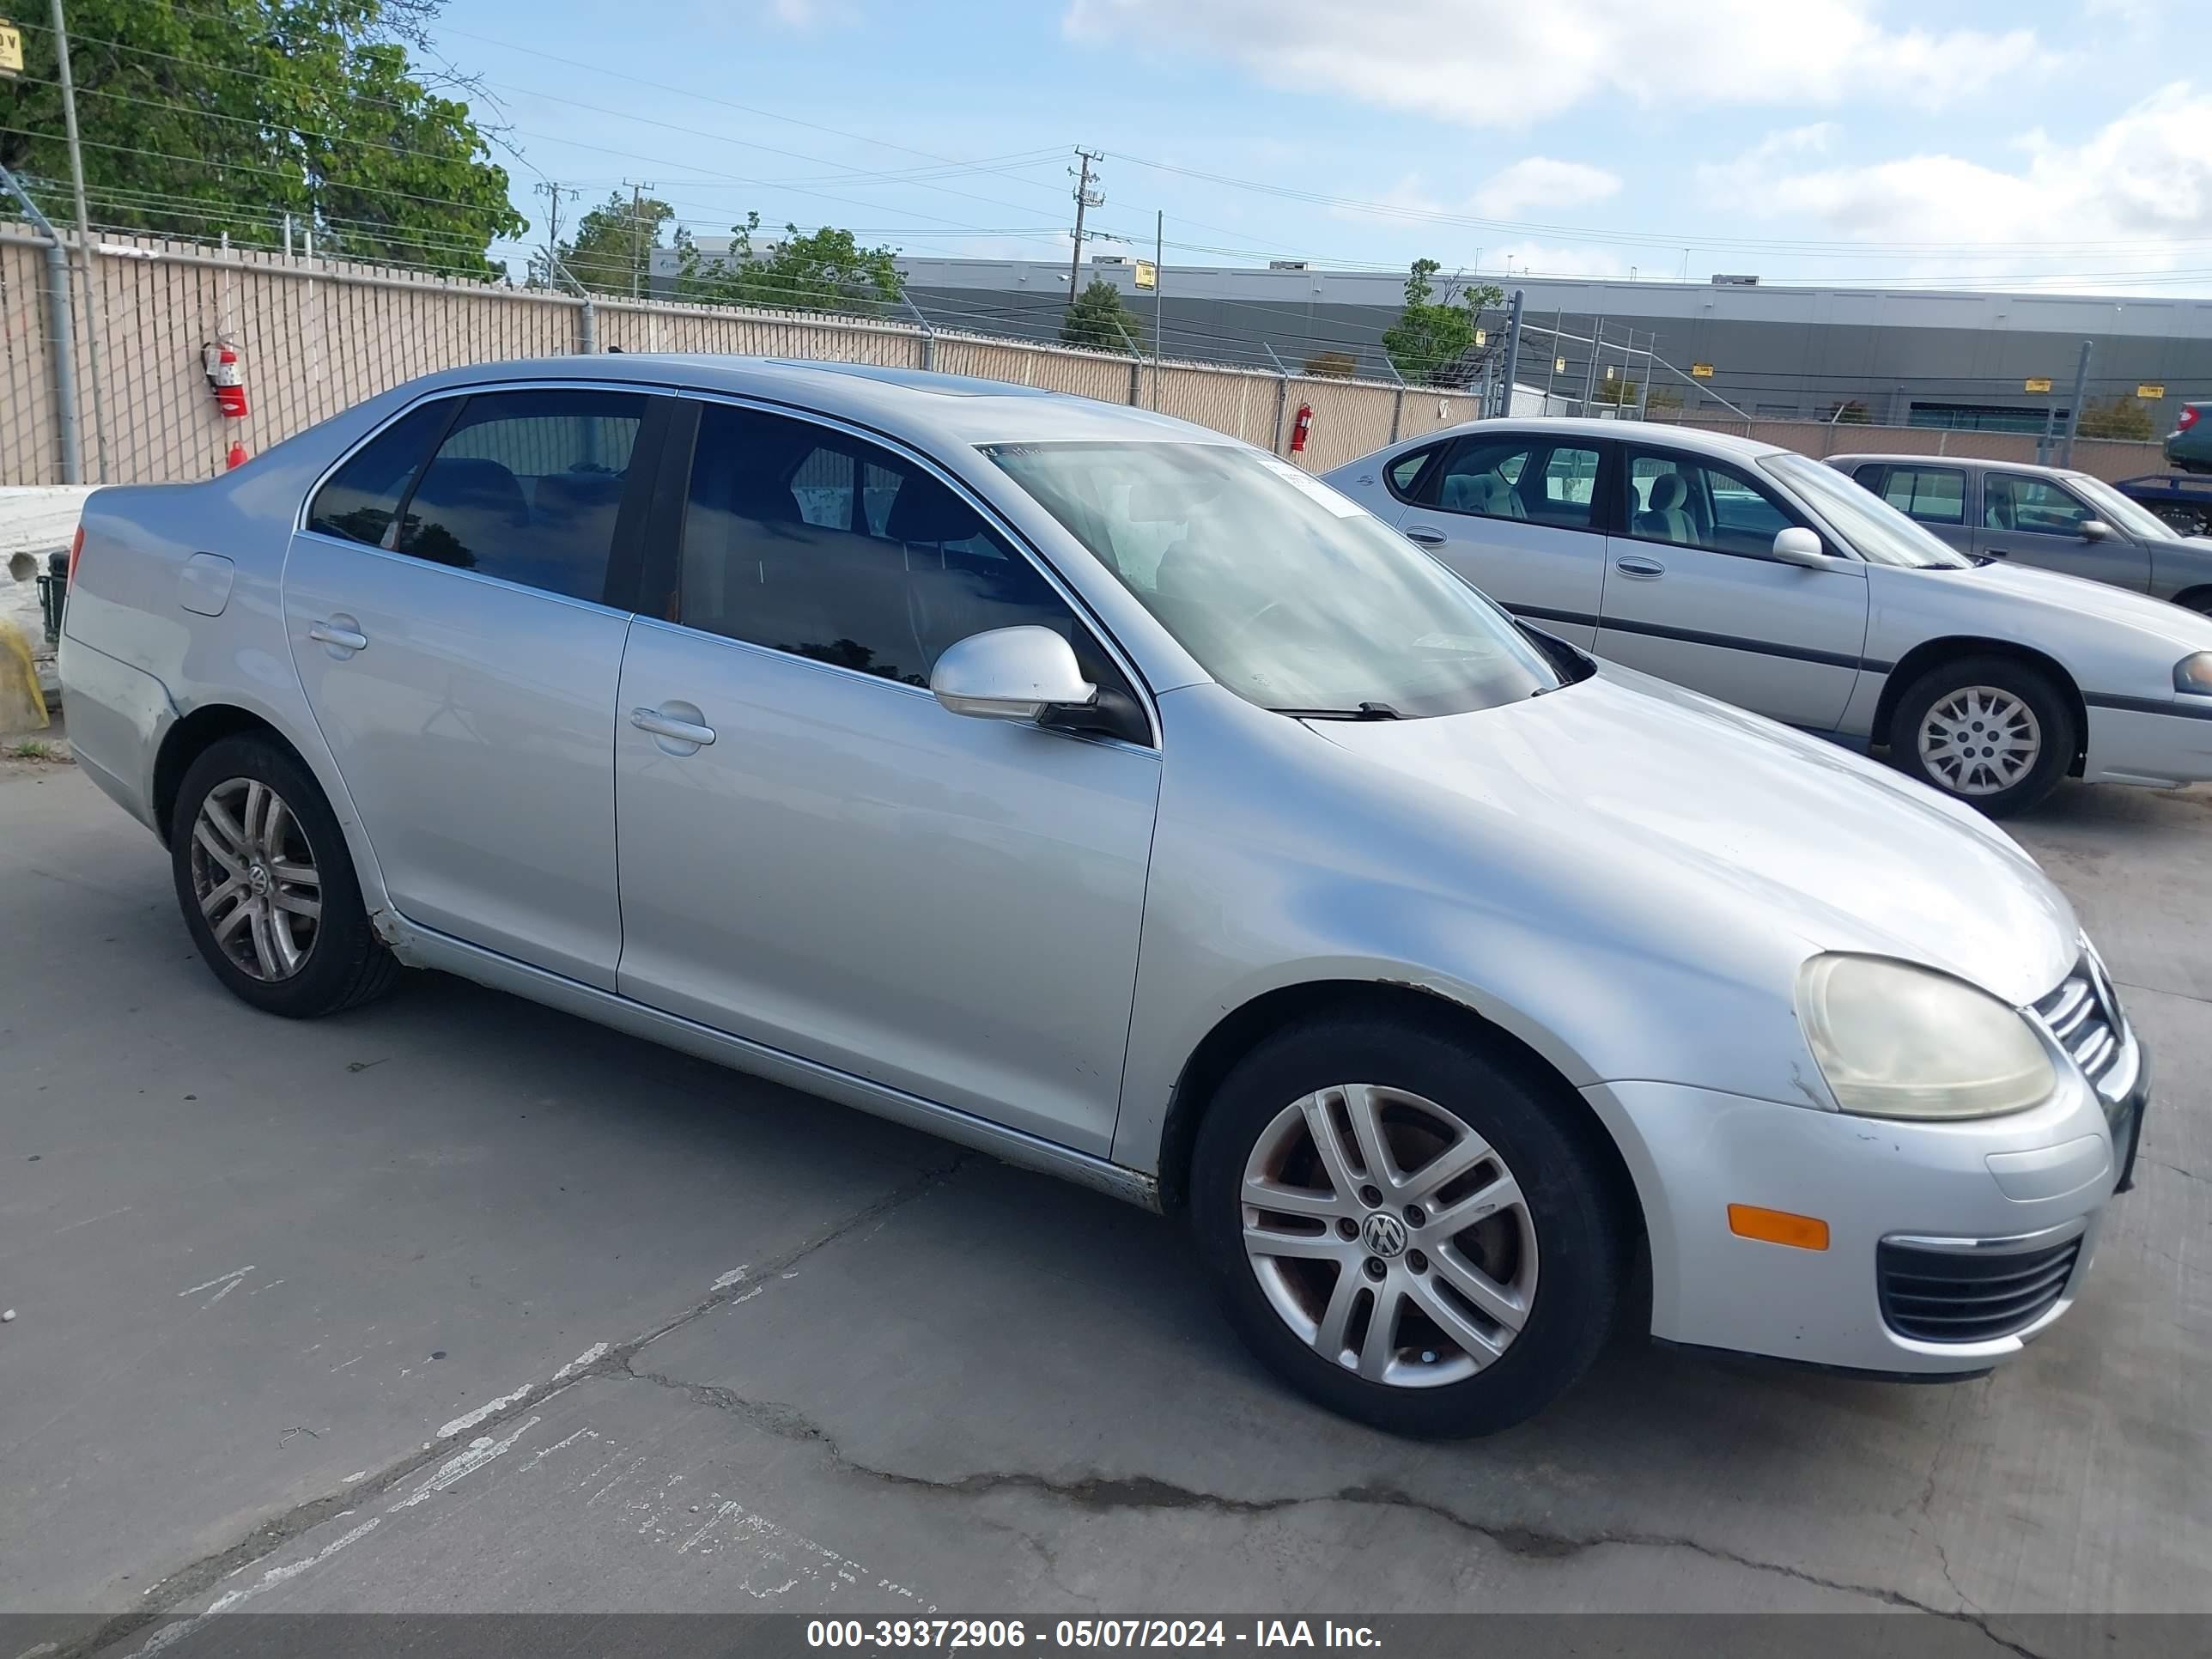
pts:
[2055, 145]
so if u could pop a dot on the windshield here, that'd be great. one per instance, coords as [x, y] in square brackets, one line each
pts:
[1289, 594]
[1877, 532]
[2118, 511]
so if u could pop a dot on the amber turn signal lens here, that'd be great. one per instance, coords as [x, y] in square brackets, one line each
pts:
[1801, 1232]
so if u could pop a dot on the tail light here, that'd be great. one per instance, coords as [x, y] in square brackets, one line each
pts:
[77, 549]
[2188, 418]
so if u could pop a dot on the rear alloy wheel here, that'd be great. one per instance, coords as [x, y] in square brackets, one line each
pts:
[1990, 731]
[1437, 1251]
[266, 885]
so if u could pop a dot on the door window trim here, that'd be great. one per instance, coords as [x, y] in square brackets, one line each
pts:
[1830, 543]
[658, 583]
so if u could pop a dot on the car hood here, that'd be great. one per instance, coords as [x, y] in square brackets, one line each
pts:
[1722, 817]
[2052, 590]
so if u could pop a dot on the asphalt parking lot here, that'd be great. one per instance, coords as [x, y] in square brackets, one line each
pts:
[457, 1304]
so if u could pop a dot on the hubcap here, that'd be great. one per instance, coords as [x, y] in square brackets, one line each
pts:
[1980, 739]
[1388, 1235]
[255, 877]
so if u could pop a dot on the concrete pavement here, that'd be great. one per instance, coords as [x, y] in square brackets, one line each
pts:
[454, 1303]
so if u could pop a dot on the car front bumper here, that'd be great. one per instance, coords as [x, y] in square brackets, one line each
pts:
[2138, 740]
[1898, 1198]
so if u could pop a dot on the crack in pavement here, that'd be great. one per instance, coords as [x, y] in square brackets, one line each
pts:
[199, 1577]
[2175, 1169]
[1105, 1494]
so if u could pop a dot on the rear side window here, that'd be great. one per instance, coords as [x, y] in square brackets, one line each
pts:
[359, 499]
[528, 487]
[1933, 494]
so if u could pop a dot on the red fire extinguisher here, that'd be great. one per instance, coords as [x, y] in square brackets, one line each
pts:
[1300, 428]
[219, 360]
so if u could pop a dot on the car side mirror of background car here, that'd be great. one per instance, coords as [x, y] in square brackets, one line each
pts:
[1799, 546]
[2095, 530]
[1011, 674]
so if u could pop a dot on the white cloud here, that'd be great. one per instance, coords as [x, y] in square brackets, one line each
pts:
[1508, 62]
[2121, 200]
[1539, 182]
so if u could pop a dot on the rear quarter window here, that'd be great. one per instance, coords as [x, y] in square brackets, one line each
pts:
[356, 502]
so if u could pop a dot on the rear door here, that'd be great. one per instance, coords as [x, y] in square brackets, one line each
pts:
[1694, 595]
[1516, 514]
[457, 626]
[2035, 521]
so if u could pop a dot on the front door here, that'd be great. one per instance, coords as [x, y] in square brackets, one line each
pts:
[1516, 515]
[2038, 522]
[1695, 596]
[450, 626]
[819, 857]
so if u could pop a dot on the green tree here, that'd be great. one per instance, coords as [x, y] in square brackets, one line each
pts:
[1098, 321]
[225, 116]
[1662, 400]
[612, 252]
[824, 270]
[1851, 413]
[1429, 343]
[2116, 418]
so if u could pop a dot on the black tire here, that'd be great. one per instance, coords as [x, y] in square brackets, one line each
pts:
[1553, 1149]
[345, 964]
[2060, 734]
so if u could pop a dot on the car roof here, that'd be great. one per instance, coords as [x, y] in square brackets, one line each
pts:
[1970, 463]
[954, 408]
[1698, 439]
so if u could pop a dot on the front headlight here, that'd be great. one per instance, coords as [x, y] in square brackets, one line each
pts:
[1897, 1040]
[2194, 674]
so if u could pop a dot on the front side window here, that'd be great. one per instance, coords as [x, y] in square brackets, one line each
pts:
[1480, 477]
[1690, 501]
[528, 487]
[827, 547]
[1289, 595]
[1933, 494]
[360, 500]
[2132, 516]
[2012, 501]
[1872, 528]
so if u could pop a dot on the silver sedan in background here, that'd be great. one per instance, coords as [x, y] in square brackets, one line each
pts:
[1772, 581]
[1110, 796]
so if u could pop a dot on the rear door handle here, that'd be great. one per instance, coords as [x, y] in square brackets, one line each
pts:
[336, 635]
[1426, 536]
[666, 726]
[1641, 568]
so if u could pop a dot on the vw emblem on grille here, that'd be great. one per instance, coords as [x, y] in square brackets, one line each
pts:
[1383, 1235]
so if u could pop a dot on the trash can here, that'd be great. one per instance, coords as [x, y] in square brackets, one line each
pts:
[54, 593]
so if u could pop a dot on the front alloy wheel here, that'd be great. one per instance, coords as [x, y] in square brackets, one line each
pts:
[255, 875]
[1388, 1235]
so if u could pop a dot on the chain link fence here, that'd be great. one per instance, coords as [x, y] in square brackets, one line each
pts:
[314, 337]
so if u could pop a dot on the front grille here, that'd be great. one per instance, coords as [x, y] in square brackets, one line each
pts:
[2084, 1016]
[1937, 1295]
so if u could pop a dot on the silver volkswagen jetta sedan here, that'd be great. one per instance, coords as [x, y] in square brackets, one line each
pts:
[1108, 796]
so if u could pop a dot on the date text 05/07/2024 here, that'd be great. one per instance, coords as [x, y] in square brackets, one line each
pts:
[871, 1635]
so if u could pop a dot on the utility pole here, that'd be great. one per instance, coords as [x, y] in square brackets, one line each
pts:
[2074, 415]
[636, 235]
[92, 329]
[1159, 265]
[1512, 349]
[1085, 197]
[552, 191]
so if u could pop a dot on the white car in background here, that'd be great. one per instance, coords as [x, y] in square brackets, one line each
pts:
[1771, 582]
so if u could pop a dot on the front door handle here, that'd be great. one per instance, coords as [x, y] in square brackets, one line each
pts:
[1426, 536]
[667, 725]
[1643, 568]
[339, 633]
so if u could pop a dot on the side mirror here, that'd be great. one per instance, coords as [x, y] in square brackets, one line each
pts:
[2095, 530]
[1801, 547]
[1011, 674]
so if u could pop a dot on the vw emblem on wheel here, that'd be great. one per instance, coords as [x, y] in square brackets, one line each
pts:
[1383, 1235]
